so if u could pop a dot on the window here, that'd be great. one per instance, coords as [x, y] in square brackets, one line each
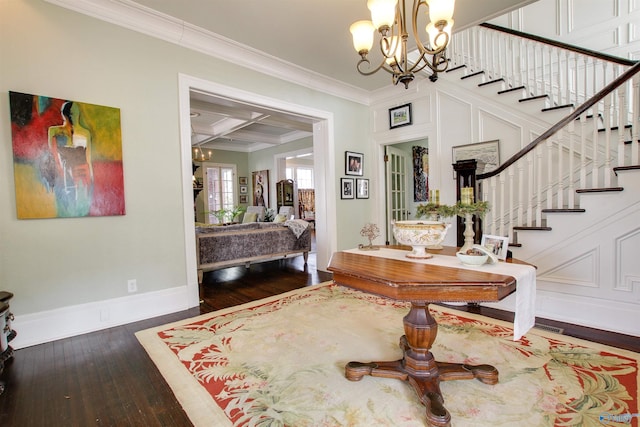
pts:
[220, 190]
[303, 176]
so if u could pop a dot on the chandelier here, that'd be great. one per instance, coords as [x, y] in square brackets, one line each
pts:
[389, 17]
[200, 156]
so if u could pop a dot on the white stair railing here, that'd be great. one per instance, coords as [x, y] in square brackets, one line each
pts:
[578, 152]
[566, 75]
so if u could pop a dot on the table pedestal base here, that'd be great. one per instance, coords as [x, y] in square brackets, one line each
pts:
[419, 367]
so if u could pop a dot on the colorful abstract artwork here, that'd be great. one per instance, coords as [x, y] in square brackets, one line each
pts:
[67, 158]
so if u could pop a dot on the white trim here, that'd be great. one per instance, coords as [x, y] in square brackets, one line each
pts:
[324, 169]
[128, 14]
[614, 316]
[51, 325]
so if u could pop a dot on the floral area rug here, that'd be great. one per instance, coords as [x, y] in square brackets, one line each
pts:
[280, 362]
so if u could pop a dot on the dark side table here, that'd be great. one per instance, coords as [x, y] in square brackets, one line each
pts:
[6, 332]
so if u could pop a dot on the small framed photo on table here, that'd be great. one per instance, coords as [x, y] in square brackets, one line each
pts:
[400, 116]
[497, 245]
[346, 188]
[362, 188]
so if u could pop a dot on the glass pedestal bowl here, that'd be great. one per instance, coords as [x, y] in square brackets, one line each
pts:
[419, 235]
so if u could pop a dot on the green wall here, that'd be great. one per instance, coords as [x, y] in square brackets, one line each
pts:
[48, 50]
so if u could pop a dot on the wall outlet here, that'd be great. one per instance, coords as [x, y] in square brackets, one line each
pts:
[132, 285]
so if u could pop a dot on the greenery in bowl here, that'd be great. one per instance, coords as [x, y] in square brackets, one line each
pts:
[445, 211]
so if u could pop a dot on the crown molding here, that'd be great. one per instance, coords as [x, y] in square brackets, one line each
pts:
[133, 16]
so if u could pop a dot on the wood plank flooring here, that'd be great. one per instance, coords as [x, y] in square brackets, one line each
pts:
[105, 378]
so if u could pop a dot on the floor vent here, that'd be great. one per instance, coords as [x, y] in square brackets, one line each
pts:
[548, 328]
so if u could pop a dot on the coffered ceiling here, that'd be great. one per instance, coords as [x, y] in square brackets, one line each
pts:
[228, 125]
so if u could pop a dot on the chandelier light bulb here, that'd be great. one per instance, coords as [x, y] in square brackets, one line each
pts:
[362, 33]
[440, 10]
[383, 12]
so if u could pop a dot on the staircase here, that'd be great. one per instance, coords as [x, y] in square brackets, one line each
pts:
[569, 200]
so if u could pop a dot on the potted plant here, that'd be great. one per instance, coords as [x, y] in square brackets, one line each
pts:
[464, 210]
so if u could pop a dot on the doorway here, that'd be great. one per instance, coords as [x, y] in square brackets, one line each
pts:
[406, 181]
[324, 170]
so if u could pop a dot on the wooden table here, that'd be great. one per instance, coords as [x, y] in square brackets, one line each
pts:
[420, 284]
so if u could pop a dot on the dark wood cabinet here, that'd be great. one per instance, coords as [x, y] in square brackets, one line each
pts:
[285, 191]
[466, 177]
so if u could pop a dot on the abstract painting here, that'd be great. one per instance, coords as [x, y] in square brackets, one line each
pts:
[420, 174]
[261, 188]
[67, 158]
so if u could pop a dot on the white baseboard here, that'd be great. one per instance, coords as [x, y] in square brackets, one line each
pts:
[595, 313]
[46, 326]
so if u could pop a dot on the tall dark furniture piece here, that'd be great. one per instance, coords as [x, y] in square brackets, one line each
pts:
[284, 193]
[466, 177]
[6, 333]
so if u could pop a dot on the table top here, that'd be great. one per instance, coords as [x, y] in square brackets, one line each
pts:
[411, 281]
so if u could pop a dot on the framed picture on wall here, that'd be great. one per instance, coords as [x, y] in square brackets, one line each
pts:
[346, 188]
[486, 153]
[400, 116]
[362, 188]
[353, 163]
[243, 180]
[244, 189]
[244, 198]
[261, 188]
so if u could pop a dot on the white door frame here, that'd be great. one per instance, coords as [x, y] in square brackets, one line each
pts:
[324, 170]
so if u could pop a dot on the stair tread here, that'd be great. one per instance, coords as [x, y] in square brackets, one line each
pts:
[599, 190]
[533, 98]
[524, 227]
[500, 80]
[511, 90]
[558, 107]
[564, 210]
[456, 68]
[626, 168]
[477, 73]
[614, 128]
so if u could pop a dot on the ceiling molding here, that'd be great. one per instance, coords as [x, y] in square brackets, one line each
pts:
[133, 16]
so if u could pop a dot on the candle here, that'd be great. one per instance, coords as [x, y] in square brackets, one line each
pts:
[437, 197]
[466, 195]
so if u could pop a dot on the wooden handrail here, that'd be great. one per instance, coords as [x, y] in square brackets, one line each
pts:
[565, 121]
[572, 48]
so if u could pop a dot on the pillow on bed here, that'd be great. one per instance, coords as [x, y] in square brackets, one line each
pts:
[279, 218]
[249, 217]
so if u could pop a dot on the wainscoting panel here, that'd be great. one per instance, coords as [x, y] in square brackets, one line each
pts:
[581, 270]
[508, 133]
[627, 268]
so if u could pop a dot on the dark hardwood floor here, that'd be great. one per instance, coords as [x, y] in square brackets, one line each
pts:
[105, 378]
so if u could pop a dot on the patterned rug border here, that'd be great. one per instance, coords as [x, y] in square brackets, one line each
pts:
[197, 402]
